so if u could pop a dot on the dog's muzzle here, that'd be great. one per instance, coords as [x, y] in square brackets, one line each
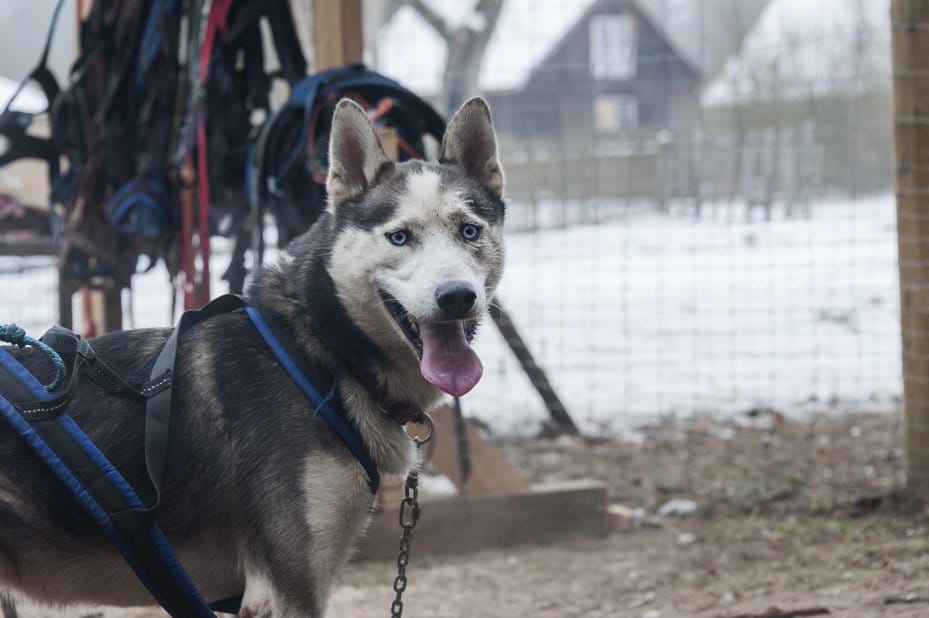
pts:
[443, 343]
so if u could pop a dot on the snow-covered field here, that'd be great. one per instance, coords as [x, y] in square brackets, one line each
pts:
[653, 315]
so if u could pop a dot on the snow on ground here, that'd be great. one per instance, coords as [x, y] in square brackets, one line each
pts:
[654, 315]
[30, 99]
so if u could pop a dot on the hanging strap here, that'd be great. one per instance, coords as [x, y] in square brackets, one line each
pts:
[14, 125]
[41, 73]
[216, 24]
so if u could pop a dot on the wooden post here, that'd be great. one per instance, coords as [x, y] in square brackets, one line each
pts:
[910, 42]
[491, 473]
[337, 33]
[542, 515]
[101, 305]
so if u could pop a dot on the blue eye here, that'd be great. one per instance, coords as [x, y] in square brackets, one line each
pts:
[399, 238]
[470, 232]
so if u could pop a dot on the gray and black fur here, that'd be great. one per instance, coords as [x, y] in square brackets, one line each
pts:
[259, 494]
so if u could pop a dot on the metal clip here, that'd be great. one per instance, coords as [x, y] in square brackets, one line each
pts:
[430, 424]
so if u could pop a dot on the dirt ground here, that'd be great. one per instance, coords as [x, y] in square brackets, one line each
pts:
[789, 515]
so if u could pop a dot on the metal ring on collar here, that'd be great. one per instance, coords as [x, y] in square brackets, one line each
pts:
[430, 424]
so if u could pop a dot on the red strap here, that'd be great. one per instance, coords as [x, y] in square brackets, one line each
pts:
[203, 197]
[219, 13]
[185, 235]
[383, 106]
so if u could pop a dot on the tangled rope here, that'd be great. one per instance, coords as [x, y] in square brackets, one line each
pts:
[13, 334]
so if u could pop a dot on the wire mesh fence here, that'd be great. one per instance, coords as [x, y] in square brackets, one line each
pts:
[702, 247]
[699, 224]
[700, 207]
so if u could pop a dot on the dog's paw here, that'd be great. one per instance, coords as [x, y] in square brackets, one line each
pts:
[257, 609]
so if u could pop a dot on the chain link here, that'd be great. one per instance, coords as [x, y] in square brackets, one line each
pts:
[409, 516]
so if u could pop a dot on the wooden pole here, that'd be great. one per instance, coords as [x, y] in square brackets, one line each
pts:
[556, 409]
[337, 33]
[910, 42]
[101, 304]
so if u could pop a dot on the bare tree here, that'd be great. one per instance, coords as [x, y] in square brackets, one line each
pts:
[466, 43]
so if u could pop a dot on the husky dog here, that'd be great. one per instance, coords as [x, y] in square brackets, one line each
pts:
[385, 291]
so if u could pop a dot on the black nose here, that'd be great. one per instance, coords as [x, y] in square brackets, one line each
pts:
[455, 299]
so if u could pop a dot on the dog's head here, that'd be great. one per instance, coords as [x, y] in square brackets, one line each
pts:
[418, 250]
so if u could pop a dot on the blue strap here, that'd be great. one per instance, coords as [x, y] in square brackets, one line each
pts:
[151, 39]
[139, 208]
[350, 76]
[11, 333]
[66, 424]
[308, 90]
[29, 435]
[323, 405]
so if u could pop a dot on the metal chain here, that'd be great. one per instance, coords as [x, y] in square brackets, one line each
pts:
[409, 516]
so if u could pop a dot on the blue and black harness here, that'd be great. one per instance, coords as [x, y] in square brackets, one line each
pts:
[39, 415]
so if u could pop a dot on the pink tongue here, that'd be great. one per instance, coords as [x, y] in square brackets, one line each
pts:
[448, 360]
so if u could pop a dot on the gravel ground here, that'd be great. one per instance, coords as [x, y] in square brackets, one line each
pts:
[795, 516]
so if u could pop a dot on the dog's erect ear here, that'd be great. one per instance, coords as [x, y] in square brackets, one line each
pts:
[355, 153]
[471, 143]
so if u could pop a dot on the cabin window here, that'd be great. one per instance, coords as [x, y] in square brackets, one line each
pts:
[612, 47]
[616, 113]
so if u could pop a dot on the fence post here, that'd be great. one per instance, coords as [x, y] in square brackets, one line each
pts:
[910, 42]
[337, 33]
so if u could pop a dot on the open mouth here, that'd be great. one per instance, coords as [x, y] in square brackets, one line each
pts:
[409, 325]
[443, 347]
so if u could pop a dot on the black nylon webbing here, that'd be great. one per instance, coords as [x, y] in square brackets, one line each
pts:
[158, 407]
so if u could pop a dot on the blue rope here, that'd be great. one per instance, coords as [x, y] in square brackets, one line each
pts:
[11, 333]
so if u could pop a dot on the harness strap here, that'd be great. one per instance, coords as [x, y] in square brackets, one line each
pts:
[285, 349]
[70, 345]
[158, 406]
[45, 425]
[101, 490]
[329, 406]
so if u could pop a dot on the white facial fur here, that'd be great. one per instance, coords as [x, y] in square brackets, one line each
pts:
[364, 260]
[437, 252]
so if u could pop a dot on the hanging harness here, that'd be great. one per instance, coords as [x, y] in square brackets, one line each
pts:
[287, 165]
[14, 125]
[39, 415]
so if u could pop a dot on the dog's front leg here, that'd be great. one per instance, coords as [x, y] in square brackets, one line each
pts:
[297, 548]
[288, 585]
[259, 598]
[7, 605]
[263, 599]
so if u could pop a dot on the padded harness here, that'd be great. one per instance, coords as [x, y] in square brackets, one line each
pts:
[42, 420]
